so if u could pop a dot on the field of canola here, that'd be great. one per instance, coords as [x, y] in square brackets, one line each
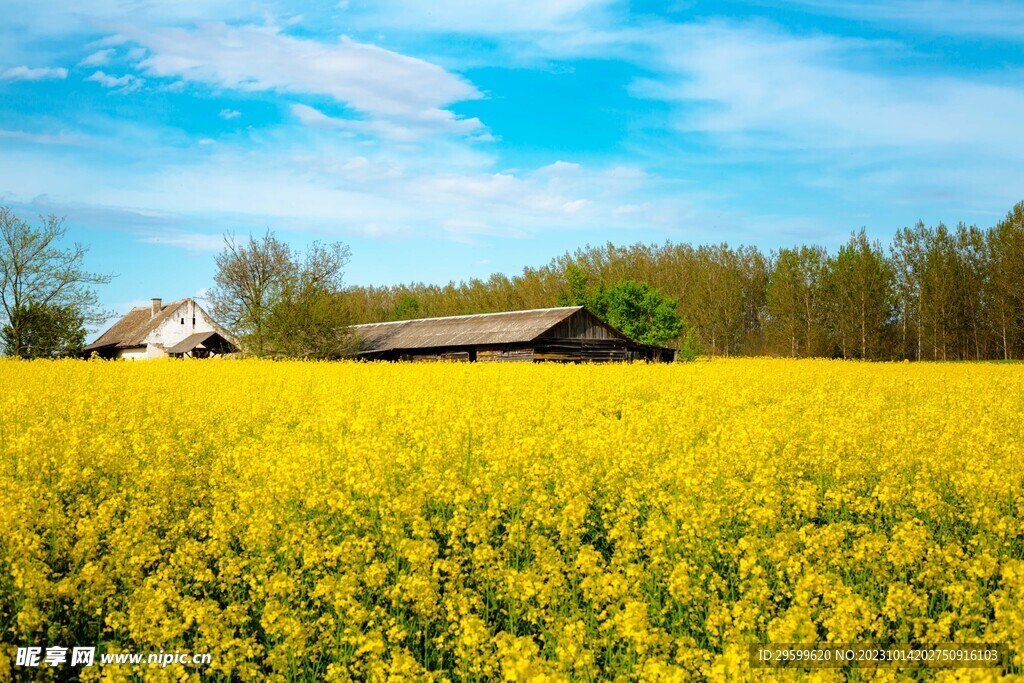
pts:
[472, 522]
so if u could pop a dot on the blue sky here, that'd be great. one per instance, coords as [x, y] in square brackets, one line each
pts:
[447, 140]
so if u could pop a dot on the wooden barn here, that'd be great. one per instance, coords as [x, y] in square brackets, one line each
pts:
[567, 334]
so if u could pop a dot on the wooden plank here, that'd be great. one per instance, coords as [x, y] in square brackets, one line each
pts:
[583, 325]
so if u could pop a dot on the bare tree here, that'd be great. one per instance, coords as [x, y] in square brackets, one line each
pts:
[251, 279]
[279, 303]
[41, 281]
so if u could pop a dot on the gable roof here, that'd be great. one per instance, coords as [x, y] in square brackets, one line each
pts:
[131, 330]
[460, 330]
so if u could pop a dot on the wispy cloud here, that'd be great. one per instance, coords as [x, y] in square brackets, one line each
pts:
[475, 232]
[190, 241]
[98, 58]
[528, 33]
[60, 138]
[986, 18]
[124, 84]
[229, 114]
[560, 167]
[439, 121]
[336, 185]
[490, 17]
[25, 73]
[761, 88]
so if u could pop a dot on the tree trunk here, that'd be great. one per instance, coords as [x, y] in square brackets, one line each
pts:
[863, 330]
[1006, 349]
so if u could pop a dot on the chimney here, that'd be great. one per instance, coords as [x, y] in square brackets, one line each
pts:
[155, 307]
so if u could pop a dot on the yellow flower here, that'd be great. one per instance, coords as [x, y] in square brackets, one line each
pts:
[455, 522]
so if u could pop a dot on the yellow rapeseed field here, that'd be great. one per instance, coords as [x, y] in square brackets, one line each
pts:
[359, 521]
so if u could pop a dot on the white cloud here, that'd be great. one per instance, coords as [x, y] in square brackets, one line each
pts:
[371, 80]
[524, 202]
[575, 205]
[125, 84]
[98, 58]
[229, 114]
[330, 185]
[25, 73]
[760, 88]
[388, 160]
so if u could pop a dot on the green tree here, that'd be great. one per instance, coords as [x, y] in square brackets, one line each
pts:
[44, 287]
[576, 281]
[43, 331]
[638, 311]
[717, 298]
[1005, 286]
[860, 298]
[796, 302]
[310, 319]
[406, 309]
[908, 258]
[309, 324]
[973, 329]
[690, 347]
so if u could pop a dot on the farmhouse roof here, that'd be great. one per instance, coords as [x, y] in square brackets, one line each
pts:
[461, 330]
[131, 330]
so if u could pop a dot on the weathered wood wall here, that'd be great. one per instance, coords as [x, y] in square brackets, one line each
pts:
[582, 325]
[440, 355]
[595, 350]
[505, 355]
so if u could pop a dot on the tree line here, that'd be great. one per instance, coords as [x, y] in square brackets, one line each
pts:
[931, 293]
[285, 304]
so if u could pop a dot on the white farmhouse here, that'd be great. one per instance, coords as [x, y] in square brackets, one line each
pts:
[181, 328]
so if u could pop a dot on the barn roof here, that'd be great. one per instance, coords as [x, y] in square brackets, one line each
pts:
[461, 330]
[132, 330]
